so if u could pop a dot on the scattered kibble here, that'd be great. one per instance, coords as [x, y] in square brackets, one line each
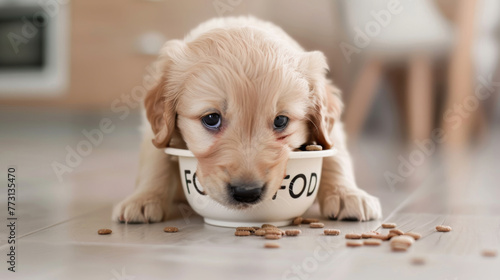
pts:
[401, 243]
[171, 229]
[415, 235]
[372, 242]
[260, 232]
[443, 228]
[268, 226]
[271, 245]
[369, 234]
[297, 221]
[389, 225]
[292, 232]
[104, 231]
[353, 236]
[396, 231]
[332, 232]
[418, 260]
[489, 253]
[317, 225]
[354, 243]
[272, 236]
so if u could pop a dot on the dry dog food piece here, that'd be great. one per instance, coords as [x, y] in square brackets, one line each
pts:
[170, 229]
[332, 231]
[250, 229]
[418, 260]
[104, 231]
[293, 232]
[272, 236]
[389, 225]
[396, 231]
[369, 234]
[353, 236]
[271, 245]
[372, 242]
[354, 243]
[401, 243]
[260, 232]
[242, 233]
[309, 220]
[314, 148]
[317, 225]
[415, 235]
[256, 228]
[273, 231]
[391, 235]
[443, 228]
[489, 253]
[268, 226]
[297, 221]
[383, 237]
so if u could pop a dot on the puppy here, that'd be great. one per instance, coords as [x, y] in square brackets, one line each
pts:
[241, 95]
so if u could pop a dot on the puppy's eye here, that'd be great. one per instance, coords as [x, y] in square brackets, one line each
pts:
[212, 121]
[280, 123]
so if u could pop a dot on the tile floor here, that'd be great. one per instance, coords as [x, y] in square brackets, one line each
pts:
[57, 220]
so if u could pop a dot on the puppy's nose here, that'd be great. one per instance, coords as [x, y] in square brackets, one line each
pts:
[246, 193]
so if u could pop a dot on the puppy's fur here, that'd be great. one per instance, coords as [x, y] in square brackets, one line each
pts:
[248, 71]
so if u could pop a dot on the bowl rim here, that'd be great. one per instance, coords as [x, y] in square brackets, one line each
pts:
[293, 155]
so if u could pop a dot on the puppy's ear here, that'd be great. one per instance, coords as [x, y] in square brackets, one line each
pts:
[160, 101]
[326, 105]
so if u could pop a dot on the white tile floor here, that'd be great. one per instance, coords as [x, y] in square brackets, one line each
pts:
[57, 221]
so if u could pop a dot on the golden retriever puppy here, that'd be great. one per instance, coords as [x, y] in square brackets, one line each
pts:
[241, 95]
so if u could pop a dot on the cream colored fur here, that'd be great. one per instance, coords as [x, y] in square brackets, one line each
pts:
[249, 71]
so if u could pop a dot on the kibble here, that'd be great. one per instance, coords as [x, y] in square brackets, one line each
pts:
[372, 242]
[389, 225]
[273, 231]
[369, 234]
[242, 233]
[171, 229]
[271, 245]
[401, 243]
[489, 253]
[415, 235]
[383, 237]
[250, 229]
[260, 232]
[317, 225]
[353, 236]
[418, 260]
[292, 232]
[396, 231]
[297, 221]
[104, 231]
[443, 228]
[272, 236]
[354, 243]
[309, 220]
[332, 232]
[314, 148]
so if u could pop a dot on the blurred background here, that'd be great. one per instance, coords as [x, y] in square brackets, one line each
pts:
[420, 80]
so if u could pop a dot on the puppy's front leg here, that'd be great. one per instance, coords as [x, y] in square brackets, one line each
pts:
[155, 187]
[339, 197]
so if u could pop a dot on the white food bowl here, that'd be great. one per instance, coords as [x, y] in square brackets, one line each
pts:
[296, 195]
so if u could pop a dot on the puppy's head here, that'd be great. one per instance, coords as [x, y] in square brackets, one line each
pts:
[241, 101]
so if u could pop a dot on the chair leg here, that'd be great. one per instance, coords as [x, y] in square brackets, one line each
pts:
[361, 97]
[460, 80]
[420, 98]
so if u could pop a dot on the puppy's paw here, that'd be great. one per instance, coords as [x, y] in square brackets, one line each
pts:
[355, 204]
[139, 208]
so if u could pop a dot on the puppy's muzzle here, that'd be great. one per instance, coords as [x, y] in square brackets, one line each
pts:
[246, 193]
